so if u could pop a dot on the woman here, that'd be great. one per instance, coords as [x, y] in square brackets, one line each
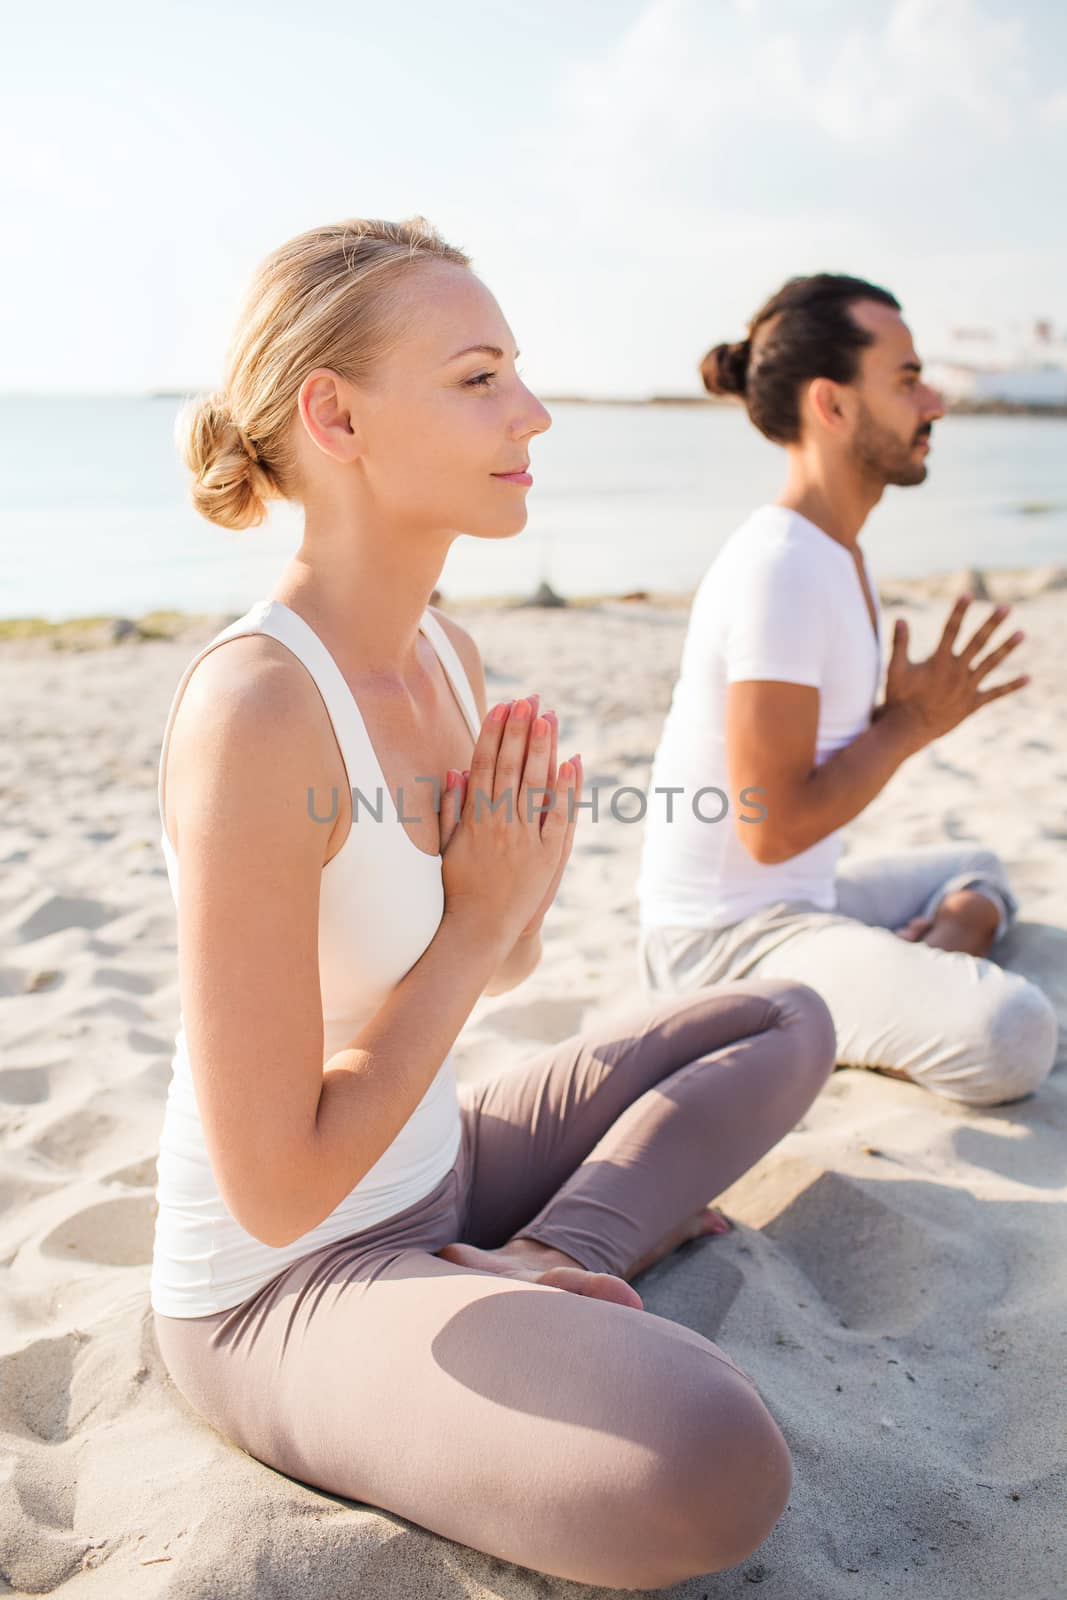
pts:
[401, 1293]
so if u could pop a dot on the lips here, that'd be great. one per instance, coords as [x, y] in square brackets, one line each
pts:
[517, 475]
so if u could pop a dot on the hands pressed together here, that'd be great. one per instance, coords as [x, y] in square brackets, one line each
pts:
[507, 824]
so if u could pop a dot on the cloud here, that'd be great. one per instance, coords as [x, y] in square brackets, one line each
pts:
[931, 55]
[683, 75]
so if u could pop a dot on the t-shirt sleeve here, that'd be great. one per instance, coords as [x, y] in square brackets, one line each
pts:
[778, 621]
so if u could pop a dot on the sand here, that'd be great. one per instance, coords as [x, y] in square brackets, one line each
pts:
[895, 1283]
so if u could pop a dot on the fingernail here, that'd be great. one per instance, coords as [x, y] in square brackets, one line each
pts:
[540, 728]
[521, 710]
[450, 779]
[500, 712]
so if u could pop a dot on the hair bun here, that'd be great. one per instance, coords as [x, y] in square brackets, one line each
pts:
[230, 484]
[725, 368]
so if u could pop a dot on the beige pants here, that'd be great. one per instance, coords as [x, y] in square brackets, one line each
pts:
[957, 1024]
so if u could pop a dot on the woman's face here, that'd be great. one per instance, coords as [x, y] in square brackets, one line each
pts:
[445, 425]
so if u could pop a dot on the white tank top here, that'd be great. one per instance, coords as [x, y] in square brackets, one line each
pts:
[202, 1259]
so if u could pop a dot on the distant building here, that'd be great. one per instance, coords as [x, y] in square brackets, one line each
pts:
[981, 368]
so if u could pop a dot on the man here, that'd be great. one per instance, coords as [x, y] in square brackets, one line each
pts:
[775, 708]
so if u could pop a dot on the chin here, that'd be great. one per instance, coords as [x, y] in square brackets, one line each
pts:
[498, 529]
[909, 478]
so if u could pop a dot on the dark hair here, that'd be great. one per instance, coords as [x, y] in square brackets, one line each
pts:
[804, 331]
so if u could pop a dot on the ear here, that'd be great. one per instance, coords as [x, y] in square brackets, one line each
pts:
[325, 404]
[826, 403]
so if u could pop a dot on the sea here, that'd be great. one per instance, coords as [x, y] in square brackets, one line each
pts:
[95, 519]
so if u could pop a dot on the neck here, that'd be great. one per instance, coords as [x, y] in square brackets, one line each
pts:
[834, 498]
[364, 588]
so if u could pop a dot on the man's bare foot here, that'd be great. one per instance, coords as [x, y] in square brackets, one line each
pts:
[965, 920]
[539, 1263]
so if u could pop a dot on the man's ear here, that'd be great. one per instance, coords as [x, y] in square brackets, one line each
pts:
[826, 404]
[328, 415]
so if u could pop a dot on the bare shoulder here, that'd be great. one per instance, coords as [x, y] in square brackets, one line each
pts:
[468, 653]
[249, 712]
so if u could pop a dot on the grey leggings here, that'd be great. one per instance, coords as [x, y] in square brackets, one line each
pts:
[577, 1437]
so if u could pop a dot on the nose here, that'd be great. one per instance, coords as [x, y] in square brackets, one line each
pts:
[935, 403]
[532, 416]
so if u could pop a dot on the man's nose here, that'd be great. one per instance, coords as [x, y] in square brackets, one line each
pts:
[935, 403]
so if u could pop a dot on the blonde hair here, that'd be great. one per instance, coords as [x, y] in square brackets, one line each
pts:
[321, 300]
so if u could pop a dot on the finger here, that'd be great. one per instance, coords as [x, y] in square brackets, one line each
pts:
[570, 795]
[535, 712]
[997, 656]
[512, 754]
[532, 796]
[553, 746]
[1002, 688]
[553, 749]
[484, 759]
[952, 626]
[982, 634]
[561, 819]
[899, 653]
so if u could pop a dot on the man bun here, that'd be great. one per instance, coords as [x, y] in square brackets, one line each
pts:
[725, 368]
[230, 484]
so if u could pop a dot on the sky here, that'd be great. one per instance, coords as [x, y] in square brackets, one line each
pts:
[631, 177]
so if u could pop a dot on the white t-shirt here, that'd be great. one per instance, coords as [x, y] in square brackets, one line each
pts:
[782, 600]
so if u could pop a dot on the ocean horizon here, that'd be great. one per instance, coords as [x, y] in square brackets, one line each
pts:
[95, 519]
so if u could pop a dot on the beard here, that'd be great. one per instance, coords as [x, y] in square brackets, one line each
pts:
[884, 455]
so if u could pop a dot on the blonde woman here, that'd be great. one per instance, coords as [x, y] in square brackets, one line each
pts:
[408, 1293]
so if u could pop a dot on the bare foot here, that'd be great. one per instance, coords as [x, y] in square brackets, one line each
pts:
[539, 1263]
[706, 1221]
[965, 920]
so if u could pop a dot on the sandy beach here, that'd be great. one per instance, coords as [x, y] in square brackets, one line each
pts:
[895, 1283]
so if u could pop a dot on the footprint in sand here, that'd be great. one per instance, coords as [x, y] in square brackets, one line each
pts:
[138, 1175]
[24, 1086]
[74, 1137]
[63, 911]
[113, 1233]
[35, 1388]
[129, 982]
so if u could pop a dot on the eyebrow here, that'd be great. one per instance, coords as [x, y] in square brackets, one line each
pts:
[480, 349]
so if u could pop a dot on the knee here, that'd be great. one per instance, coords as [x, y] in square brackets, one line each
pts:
[720, 1491]
[1014, 1046]
[805, 1015]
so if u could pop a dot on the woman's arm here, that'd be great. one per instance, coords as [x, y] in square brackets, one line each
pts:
[288, 1134]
